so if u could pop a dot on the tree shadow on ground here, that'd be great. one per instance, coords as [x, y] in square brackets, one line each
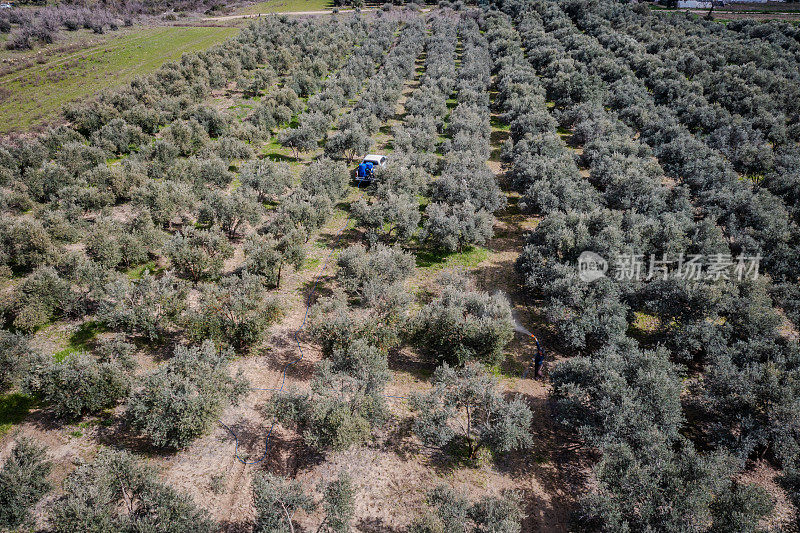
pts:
[122, 435]
[282, 158]
[375, 525]
[254, 447]
[338, 238]
[408, 362]
[560, 463]
[320, 286]
[229, 526]
[287, 357]
[399, 439]
[14, 409]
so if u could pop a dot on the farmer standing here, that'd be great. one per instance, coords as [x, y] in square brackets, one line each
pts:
[538, 362]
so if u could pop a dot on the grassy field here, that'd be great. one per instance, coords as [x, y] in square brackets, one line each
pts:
[283, 6]
[36, 94]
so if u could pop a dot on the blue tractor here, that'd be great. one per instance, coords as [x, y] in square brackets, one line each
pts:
[366, 169]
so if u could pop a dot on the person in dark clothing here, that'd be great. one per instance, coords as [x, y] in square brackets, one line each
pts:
[538, 362]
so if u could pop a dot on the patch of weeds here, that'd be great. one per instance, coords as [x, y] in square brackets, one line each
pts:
[645, 323]
[138, 271]
[81, 340]
[14, 407]
[217, 483]
[498, 124]
[77, 434]
[310, 263]
[470, 257]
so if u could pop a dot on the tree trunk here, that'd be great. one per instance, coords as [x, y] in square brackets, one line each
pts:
[288, 517]
[710, 14]
[469, 434]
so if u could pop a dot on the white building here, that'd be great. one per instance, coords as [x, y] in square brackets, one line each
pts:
[707, 3]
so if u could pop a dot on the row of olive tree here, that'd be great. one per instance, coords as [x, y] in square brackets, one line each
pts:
[466, 194]
[637, 425]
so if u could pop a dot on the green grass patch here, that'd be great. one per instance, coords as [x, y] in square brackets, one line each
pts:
[645, 323]
[310, 263]
[36, 94]
[469, 258]
[138, 271]
[81, 340]
[14, 408]
[498, 124]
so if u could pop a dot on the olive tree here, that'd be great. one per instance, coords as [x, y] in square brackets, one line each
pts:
[336, 325]
[368, 274]
[38, 299]
[338, 412]
[325, 177]
[268, 178]
[235, 311]
[268, 255]
[23, 482]
[300, 139]
[664, 485]
[117, 492]
[300, 211]
[14, 351]
[198, 254]
[450, 228]
[338, 501]
[618, 392]
[452, 511]
[25, 244]
[165, 200]
[78, 385]
[149, 306]
[465, 408]
[348, 141]
[181, 400]
[462, 325]
[230, 211]
[395, 217]
[276, 501]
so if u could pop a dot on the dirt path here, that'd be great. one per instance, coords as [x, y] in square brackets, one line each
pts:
[541, 473]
